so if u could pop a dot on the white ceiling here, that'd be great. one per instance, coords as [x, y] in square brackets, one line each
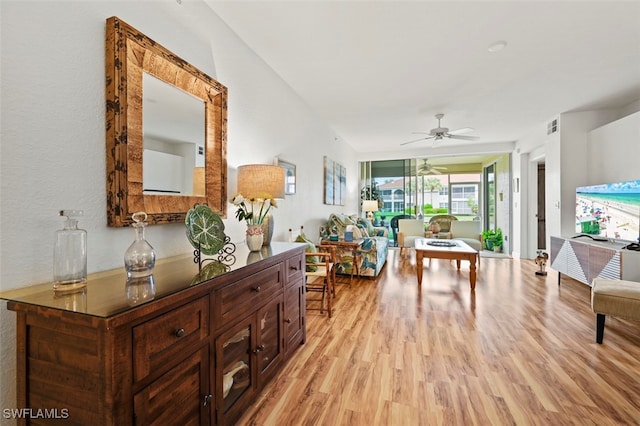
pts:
[377, 71]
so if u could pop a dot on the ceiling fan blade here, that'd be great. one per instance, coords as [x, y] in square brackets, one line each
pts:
[429, 172]
[466, 138]
[416, 140]
[460, 131]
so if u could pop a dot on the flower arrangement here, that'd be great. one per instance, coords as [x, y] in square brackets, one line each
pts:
[253, 210]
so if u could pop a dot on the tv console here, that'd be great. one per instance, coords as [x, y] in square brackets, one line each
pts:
[593, 237]
[584, 259]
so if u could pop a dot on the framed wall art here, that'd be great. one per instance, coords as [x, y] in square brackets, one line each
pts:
[335, 182]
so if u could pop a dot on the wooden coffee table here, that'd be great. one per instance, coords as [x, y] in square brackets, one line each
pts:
[441, 249]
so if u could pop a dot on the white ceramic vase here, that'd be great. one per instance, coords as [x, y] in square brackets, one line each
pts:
[255, 237]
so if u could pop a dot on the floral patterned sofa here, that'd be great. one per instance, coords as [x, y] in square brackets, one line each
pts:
[375, 244]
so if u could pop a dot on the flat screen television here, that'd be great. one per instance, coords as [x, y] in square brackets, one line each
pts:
[610, 210]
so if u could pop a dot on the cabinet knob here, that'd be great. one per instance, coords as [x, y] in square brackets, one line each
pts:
[180, 332]
[259, 349]
[288, 320]
[256, 288]
[207, 399]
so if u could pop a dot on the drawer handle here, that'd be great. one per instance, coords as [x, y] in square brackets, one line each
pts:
[256, 289]
[207, 400]
[180, 332]
[295, 268]
[259, 349]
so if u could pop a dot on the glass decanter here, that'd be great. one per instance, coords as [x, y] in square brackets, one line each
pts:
[70, 254]
[140, 258]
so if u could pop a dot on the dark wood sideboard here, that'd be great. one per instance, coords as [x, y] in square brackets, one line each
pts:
[197, 353]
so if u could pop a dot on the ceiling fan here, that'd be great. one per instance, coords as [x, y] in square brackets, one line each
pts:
[428, 169]
[440, 133]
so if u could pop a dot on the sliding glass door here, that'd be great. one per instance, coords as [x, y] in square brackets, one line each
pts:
[413, 187]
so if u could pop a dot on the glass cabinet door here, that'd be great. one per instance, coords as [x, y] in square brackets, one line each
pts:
[234, 352]
[270, 342]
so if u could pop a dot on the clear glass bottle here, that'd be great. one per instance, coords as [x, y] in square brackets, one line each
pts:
[140, 258]
[70, 254]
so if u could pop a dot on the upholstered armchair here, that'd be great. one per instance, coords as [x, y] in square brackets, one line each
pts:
[394, 226]
[469, 231]
[408, 231]
[372, 253]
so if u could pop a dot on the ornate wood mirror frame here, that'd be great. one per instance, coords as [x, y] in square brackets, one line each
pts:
[129, 54]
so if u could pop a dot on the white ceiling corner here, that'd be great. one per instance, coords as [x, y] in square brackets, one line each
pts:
[377, 71]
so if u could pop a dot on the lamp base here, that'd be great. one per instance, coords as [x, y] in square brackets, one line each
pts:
[267, 229]
[370, 216]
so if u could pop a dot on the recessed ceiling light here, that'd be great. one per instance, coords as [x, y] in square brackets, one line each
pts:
[497, 46]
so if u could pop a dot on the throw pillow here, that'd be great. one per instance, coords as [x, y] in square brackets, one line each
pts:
[311, 248]
[366, 227]
[357, 233]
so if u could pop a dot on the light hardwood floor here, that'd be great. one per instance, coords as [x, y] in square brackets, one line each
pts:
[520, 350]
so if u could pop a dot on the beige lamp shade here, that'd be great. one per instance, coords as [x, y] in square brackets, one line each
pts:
[370, 205]
[258, 180]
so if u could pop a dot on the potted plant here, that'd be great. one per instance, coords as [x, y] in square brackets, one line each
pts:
[493, 239]
[372, 193]
[498, 241]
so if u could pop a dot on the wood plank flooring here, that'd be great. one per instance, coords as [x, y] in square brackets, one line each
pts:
[520, 350]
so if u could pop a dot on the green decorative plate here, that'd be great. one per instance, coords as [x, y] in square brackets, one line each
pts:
[206, 229]
[210, 270]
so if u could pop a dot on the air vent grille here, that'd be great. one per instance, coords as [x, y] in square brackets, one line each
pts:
[552, 126]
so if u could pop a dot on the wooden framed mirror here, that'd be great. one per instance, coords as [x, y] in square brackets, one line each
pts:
[130, 56]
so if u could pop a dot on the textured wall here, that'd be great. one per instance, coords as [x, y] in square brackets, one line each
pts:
[52, 135]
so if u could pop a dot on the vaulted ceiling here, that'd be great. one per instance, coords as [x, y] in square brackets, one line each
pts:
[377, 71]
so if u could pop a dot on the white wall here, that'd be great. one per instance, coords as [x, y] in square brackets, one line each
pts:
[591, 147]
[574, 166]
[610, 163]
[53, 135]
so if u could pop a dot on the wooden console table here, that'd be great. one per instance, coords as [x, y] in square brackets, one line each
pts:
[181, 347]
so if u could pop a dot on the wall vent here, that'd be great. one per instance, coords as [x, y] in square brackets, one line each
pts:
[552, 126]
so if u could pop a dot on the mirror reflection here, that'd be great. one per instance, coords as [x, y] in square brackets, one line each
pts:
[173, 139]
[132, 57]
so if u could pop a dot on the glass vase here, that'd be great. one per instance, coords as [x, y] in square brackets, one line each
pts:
[255, 237]
[70, 254]
[140, 258]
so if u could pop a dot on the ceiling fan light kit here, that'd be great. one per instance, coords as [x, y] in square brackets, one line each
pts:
[428, 169]
[440, 133]
[497, 46]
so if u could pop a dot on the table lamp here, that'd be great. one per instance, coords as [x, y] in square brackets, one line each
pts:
[256, 180]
